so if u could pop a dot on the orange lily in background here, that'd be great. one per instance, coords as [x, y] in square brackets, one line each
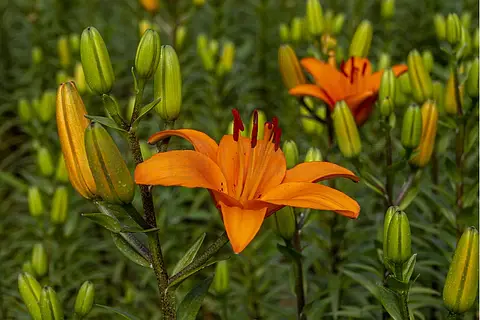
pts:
[247, 177]
[353, 82]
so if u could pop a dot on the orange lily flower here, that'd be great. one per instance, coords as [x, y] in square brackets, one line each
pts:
[247, 177]
[354, 83]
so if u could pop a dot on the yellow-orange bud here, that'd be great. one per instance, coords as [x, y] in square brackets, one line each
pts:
[150, 5]
[429, 132]
[292, 74]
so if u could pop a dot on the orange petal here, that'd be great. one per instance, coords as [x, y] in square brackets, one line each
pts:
[274, 174]
[186, 168]
[355, 101]
[364, 110]
[375, 79]
[228, 159]
[326, 76]
[317, 171]
[312, 195]
[200, 141]
[313, 91]
[363, 65]
[241, 225]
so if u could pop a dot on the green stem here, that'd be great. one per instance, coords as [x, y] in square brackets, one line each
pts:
[298, 268]
[406, 186]
[389, 160]
[405, 311]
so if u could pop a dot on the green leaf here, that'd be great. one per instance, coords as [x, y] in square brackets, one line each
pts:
[13, 181]
[289, 252]
[106, 220]
[190, 305]
[105, 121]
[132, 248]
[391, 302]
[135, 82]
[189, 255]
[408, 267]
[119, 312]
[364, 281]
[127, 223]
[409, 197]
[186, 275]
[146, 109]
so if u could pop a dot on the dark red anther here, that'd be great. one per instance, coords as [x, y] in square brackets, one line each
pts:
[352, 70]
[364, 68]
[342, 68]
[275, 122]
[237, 124]
[276, 137]
[254, 129]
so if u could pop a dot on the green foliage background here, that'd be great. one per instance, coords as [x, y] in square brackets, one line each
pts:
[258, 286]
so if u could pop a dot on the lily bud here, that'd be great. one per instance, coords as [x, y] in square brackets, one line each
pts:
[472, 80]
[313, 154]
[148, 54]
[27, 267]
[85, 299]
[30, 291]
[96, 61]
[440, 26]
[290, 151]
[58, 214]
[386, 94]
[204, 52]
[362, 39]
[61, 173]
[61, 77]
[199, 3]
[283, 223]
[37, 55]
[429, 131]
[39, 260]
[328, 22]
[45, 162]
[391, 211]
[466, 19]
[398, 239]
[384, 61]
[428, 62]
[310, 125]
[461, 284]
[261, 119]
[50, 306]
[112, 177]
[168, 85]
[221, 279]
[412, 127]
[24, 110]
[79, 78]
[296, 28]
[290, 70]
[337, 24]
[387, 9]
[284, 32]
[450, 101]
[47, 106]
[180, 36]
[476, 39]
[63, 50]
[346, 130]
[314, 17]
[71, 125]
[453, 29]
[404, 83]
[438, 95]
[419, 78]
[35, 203]
[213, 47]
[151, 6]
[143, 26]
[74, 41]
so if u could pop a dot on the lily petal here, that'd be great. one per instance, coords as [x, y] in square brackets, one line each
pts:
[326, 76]
[241, 225]
[375, 79]
[312, 90]
[228, 159]
[312, 195]
[355, 101]
[317, 171]
[200, 141]
[186, 168]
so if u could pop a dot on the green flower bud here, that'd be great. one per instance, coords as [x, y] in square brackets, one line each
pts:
[398, 248]
[61, 174]
[337, 24]
[79, 78]
[262, 118]
[221, 280]
[27, 267]
[461, 284]
[74, 40]
[419, 78]
[168, 85]
[290, 70]
[39, 260]
[148, 54]
[476, 38]
[47, 106]
[180, 35]
[386, 94]
[404, 83]
[96, 61]
[440, 26]
[284, 223]
[213, 47]
[429, 131]
[110, 172]
[63, 50]
[310, 125]
[290, 151]
[35, 203]
[466, 19]
[472, 80]
[204, 52]
[362, 39]
[45, 162]
[296, 28]
[387, 10]
[346, 130]
[384, 61]
[428, 61]
[58, 214]
[328, 21]
[453, 29]
[111, 105]
[85, 299]
[450, 101]
[61, 77]
[226, 59]
[314, 17]
[37, 55]
[412, 127]
[313, 154]
[50, 306]
[30, 291]
[24, 110]
[199, 3]
[143, 26]
[391, 211]
[284, 32]
[438, 95]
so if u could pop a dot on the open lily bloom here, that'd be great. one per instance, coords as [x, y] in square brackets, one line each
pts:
[354, 83]
[247, 177]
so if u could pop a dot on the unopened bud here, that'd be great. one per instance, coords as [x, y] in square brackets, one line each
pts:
[337, 23]
[461, 284]
[148, 54]
[472, 80]
[85, 299]
[27, 267]
[309, 124]
[313, 154]
[428, 61]
[47, 109]
[386, 94]
[213, 46]
[284, 32]
[39, 260]
[110, 172]
[398, 240]
[362, 39]
[96, 62]
[63, 50]
[283, 223]
[346, 131]
[180, 36]
[37, 55]
[50, 306]
[59, 211]
[439, 95]
[290, 151]
[151, 6]
[384, 61]
[204, 52]
[453, 29]
[391, 211]
[79, 78]
[296, 29]
[476, 39]
[61, 173]
[466, 19]
[24, 110]
[440, 26]
[419, 78]
[328, 21]
[221, 280]
[450, 101]
[199, 3]
[30, 291]
[412, 127]
[168, 85]
[404, 83]
[226, 59]
[290, 70]
[61, 76]
[74, 41]
[429, 131]
[315, 21]
[35, 203]
[45, 162]
[387, 10]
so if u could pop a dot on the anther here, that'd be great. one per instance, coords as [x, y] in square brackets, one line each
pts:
[237, 124]
[254, 129]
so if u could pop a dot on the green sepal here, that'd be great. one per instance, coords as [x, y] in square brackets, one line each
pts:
[106, 220]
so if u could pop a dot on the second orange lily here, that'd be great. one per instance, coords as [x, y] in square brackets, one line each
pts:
[354, 83]
[247, 177]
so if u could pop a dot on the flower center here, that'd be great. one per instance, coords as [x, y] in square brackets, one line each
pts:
[353, 72]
